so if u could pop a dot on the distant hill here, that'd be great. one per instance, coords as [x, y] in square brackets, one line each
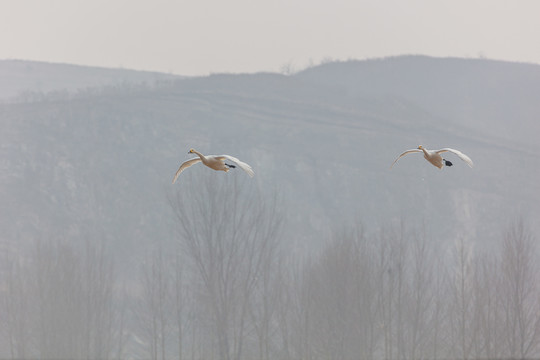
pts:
[20, 76]
[101, 164]
[488, 97]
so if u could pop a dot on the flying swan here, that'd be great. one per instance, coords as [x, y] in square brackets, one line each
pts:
[435, 158]
[216, 162]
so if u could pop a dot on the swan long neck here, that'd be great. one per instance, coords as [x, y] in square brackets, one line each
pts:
[200, 155]
[424, 151]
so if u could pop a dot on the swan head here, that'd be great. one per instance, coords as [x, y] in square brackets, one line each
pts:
[420, 147]
[191, 151]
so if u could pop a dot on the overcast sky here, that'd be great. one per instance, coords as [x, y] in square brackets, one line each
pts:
[198, 37]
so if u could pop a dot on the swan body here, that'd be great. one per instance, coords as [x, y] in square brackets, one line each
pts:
[216, 162]
[434, 156]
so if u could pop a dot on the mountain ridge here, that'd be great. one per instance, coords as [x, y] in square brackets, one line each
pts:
[20, 77]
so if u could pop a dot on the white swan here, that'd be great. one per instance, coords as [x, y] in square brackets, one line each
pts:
[216, 162]
[435, 158]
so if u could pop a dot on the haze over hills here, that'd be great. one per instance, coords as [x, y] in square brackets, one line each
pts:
[101, 164]
[493, 98]
[20, 77]
[98, 264]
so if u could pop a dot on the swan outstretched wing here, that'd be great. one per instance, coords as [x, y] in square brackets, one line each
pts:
[241, 164]
[184, 166]
[461, 155]
[405, 153]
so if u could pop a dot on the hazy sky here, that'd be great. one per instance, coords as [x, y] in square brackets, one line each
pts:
[199, 37]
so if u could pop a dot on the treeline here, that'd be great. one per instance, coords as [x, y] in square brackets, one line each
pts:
[230, 286]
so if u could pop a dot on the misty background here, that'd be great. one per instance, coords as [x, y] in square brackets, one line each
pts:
[326, 253]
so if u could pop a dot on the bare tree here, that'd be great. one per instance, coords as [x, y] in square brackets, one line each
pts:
[15, 307]
[227, 232]
[296, 309]
[440, 293]
[72, 299]
[286, 307]
[421, 297]
[385, 292]
[487, 315]
[521, 306]
[462, 300]
[264, 303]
[153, 305]
[393, 291]
[101, 333]
[180, 301]
[334, 301]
